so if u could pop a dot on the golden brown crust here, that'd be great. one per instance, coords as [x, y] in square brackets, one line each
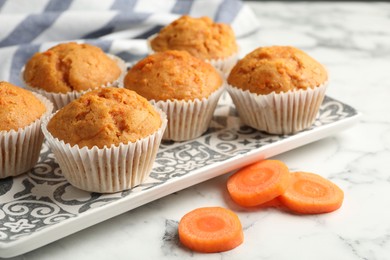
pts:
[277, 68]
[18, 107]
[172, 75]
[104, 117]
[70, 66]
[199, 36]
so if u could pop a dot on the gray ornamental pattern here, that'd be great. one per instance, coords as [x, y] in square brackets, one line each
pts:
[42, 197]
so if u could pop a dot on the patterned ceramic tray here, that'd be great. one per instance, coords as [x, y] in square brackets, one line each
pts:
[40, 207]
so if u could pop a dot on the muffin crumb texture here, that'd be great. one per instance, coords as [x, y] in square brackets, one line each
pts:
[199, 36]
[277, 69]
[173, 75]
[104, 117]
[70, 67]
[18, 107]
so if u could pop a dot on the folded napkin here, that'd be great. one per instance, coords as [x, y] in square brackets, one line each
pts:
[119, 27]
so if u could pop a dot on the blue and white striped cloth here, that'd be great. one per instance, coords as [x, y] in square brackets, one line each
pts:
[119, 27]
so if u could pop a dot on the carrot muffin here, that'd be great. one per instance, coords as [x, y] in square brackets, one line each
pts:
[106, 140]
[21, 139]
[183, 86]
[71, 69]
[201, 37]
[278, 89]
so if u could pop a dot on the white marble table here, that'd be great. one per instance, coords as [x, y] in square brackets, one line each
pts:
[353, 41]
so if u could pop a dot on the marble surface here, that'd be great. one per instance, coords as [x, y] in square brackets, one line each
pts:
[353, 41]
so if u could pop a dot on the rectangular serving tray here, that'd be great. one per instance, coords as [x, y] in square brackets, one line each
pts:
[40, 206]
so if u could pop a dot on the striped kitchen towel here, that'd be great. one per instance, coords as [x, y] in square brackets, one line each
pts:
[119, 27]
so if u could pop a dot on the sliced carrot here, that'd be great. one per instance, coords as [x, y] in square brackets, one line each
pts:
[309, 193]
[274, 203]
[210, 230]
[258, 183]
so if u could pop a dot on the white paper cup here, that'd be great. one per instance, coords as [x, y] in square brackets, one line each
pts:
[224, 65]
[278, 113]
[60, 100]
[188, 119]
[20, 150]
[109, 169]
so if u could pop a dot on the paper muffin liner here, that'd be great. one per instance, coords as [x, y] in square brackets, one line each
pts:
[223, 65]
[60, 100]
[188, 119]
[279, 113]
[20, 149]
[109, 169]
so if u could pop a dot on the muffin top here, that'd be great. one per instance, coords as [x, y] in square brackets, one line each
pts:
[18, 107]
[70, 67]
[199, 36]
[104, 117]
[170, 75]
[277, 68]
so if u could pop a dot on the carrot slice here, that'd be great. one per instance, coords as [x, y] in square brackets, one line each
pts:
[258, 183]
[310, 193]
[210, 230]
